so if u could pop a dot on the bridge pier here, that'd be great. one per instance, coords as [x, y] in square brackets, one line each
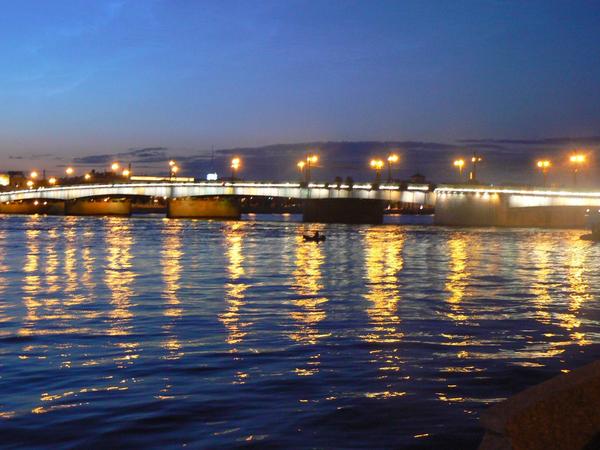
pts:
[203, 208]
[343, 210]
[494, 209]
[37, 206]
[98, 207]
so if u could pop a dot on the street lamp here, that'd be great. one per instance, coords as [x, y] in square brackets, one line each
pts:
[391, 159]
[69, 171]
[460, 163]
[52, 181]
[310, 159]
[115, 166]
[174, 170]
[33, 175]
[301, 165]
[126, 173]
[87, 176]
[377, 164]
[577, 160]
[544, 165]
[474, 160]
[235, 165]
[30, 184]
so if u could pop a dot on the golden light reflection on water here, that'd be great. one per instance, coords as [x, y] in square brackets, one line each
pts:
[235, 287]
[118, 274]
[171, 255]
[31, 278]
[578, 289]
[119, 278]
[309, 312]
[383, 265]
[457, 281]
[541, 283]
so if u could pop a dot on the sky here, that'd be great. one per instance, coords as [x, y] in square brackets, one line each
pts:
[85, 81]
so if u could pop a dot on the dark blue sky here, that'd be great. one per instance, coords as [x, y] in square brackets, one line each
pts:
[81, 78]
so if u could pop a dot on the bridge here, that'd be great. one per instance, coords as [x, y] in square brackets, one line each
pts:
[455, 205]
[322, 202]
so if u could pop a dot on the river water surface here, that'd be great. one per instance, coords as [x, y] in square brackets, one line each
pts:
[148, 332]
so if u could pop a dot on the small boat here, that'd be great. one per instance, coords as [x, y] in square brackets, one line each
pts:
[315, 238]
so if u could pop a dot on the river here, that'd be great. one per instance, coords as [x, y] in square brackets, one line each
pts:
[149, 332]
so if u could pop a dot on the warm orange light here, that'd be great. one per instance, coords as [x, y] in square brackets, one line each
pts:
[459, 163]
[30, 184]
[115, 166]
[174, 169]
[301, 165]
[171, 163]
[577, 158]
[88, 176]
[69, 170]
[52, 180]
[476, 159]
[544, 164]
[236, 163]
[376, 164]
[312, 159]
[126, 173]
[393, 158]
[33, 174]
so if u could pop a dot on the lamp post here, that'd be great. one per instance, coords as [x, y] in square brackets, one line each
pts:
[235, 165]
[300, 166]
[544, 165]
[459, 163]
[115, 166]
[69, 171]
[33, 175]
[391, 159]
[52, 181]
[474, 160]
[310, 159]
[173, 169]
[578, 160]
[377, 165]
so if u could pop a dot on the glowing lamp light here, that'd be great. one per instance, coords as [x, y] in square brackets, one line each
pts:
[69, 171]
[393, 158]
[301, 165]
[171, 163]
[87, 176]
[577, 159]
[235, 163]
[313, 159]
[30, 184]
[115, 166]
[52, 180]
[33, 174]
[544, 164]
[174, 169]
[126, 173]
[376, 164]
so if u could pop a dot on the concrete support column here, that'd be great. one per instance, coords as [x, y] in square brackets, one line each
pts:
[343, 210]
[98, 207]
[204, 208]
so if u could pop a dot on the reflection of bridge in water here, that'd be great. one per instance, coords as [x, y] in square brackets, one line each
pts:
[461, 205]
